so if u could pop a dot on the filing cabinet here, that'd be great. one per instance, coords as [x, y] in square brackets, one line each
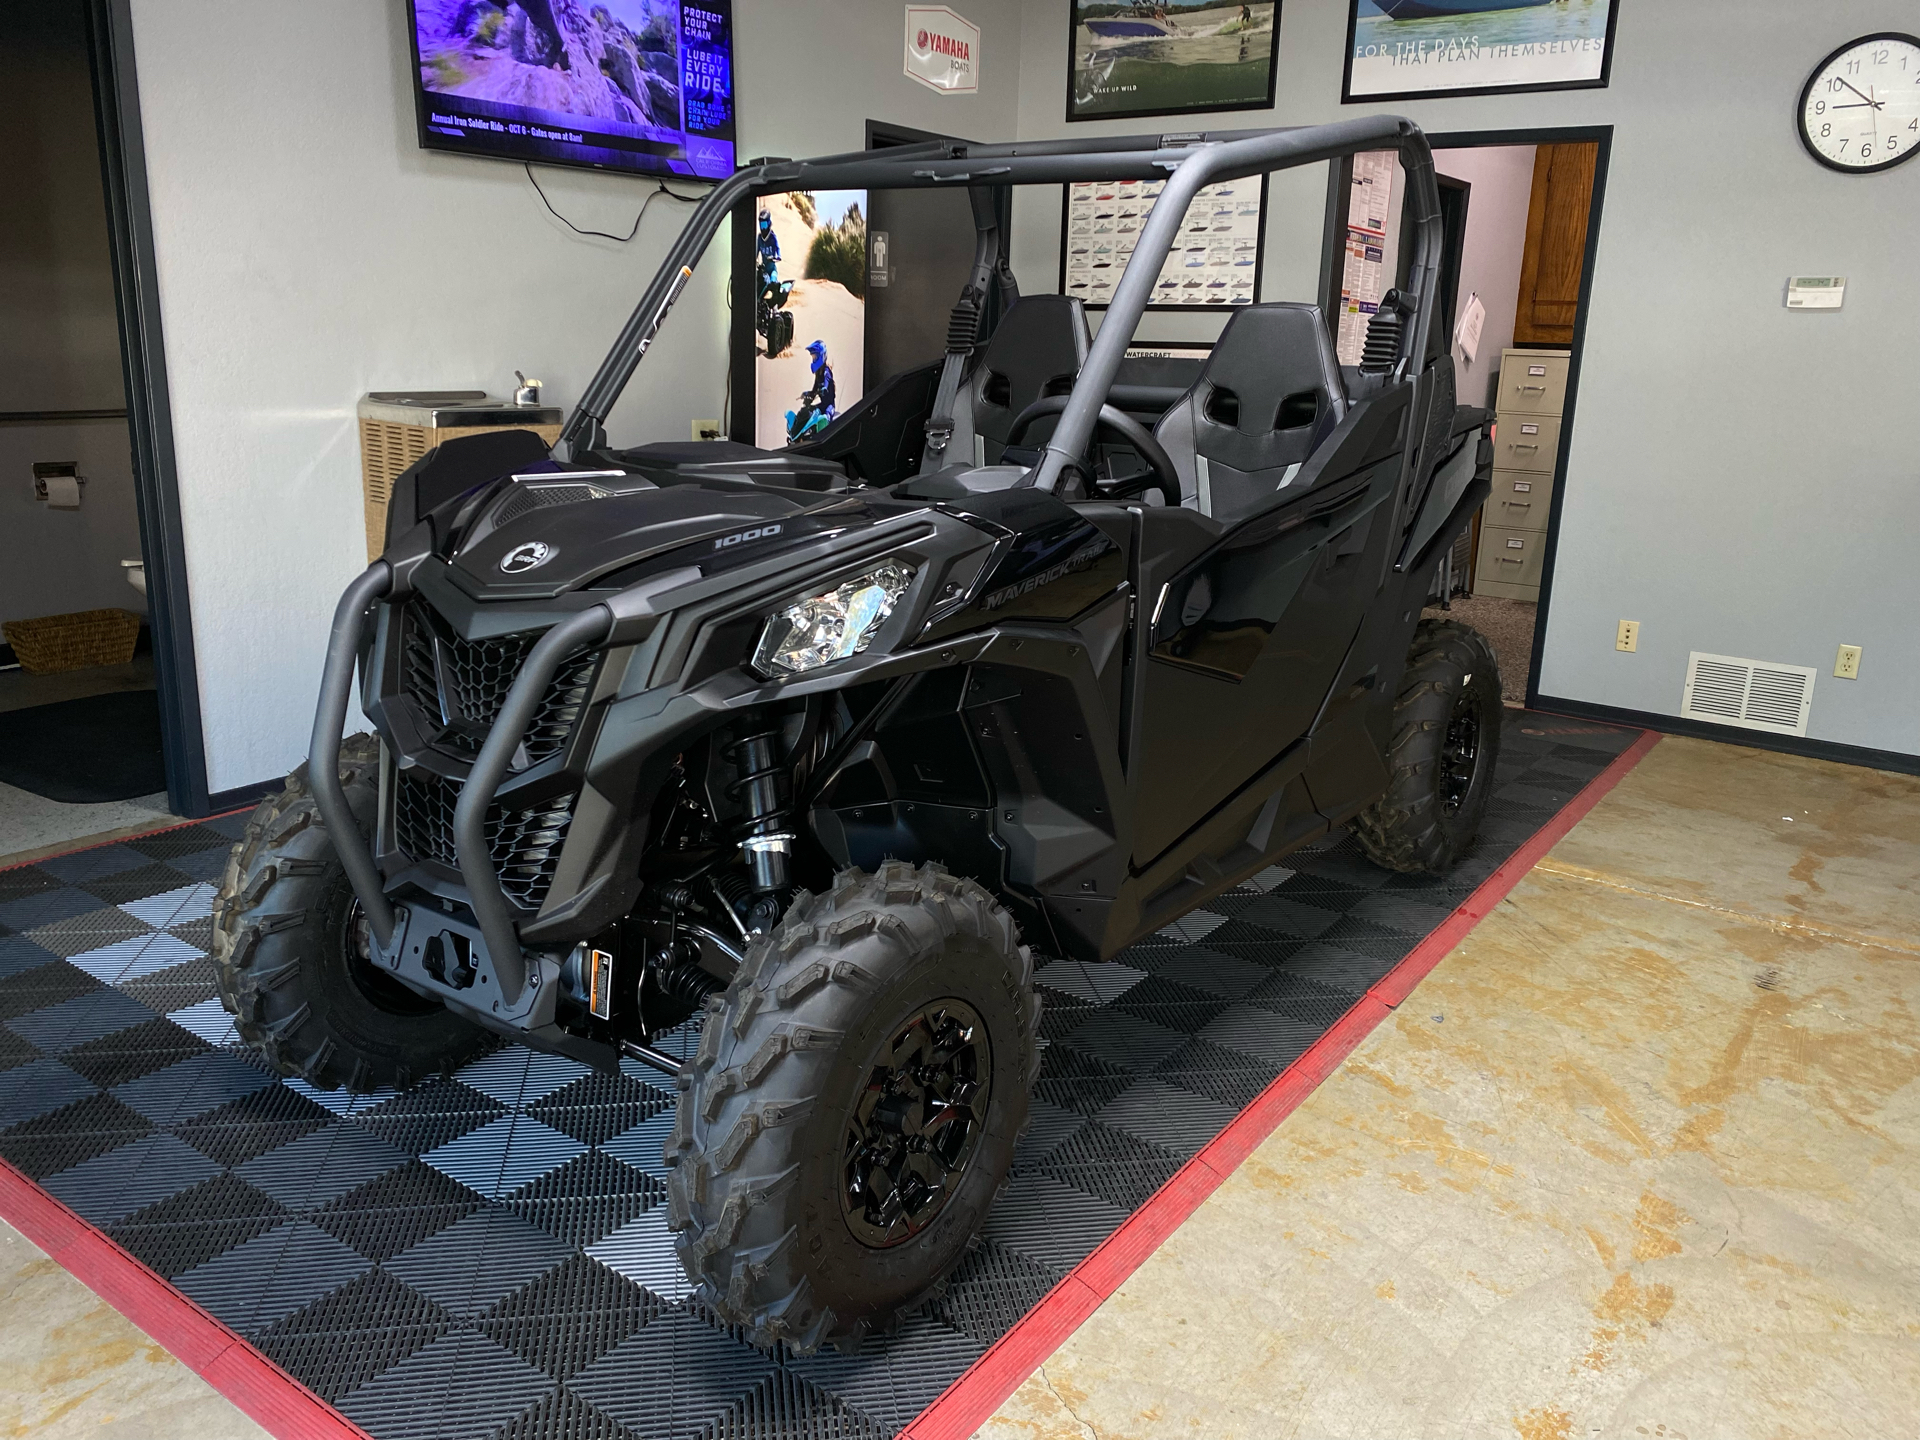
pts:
[1521, 500]
[1533, 382]
[1526, 454]
[1527, 442]
[1510, 562]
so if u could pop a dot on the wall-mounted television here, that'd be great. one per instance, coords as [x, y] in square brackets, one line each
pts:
[640, 85]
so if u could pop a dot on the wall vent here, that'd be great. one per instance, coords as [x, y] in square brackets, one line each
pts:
[1753, 694]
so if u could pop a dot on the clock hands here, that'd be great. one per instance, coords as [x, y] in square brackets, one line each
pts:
[1876, 104]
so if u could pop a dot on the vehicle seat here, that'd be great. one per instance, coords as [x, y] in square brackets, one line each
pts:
[1036, 350]
[1270, 393]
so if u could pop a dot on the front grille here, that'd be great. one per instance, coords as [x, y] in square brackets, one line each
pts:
[524, 844]
[460, 686]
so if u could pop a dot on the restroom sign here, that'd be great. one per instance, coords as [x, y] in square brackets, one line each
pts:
[943, 50]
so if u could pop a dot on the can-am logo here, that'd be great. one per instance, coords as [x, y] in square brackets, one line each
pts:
[530, 556]
[943, 50]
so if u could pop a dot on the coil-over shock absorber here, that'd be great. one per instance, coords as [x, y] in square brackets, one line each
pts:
[765, 841]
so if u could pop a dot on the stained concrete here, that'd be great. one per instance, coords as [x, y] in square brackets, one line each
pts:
[1640, 1158]
[74, 1367]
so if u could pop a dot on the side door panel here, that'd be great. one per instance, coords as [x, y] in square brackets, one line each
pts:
[1239, 647]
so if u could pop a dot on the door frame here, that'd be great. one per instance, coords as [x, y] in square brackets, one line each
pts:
[123, 170]
[1600, 136]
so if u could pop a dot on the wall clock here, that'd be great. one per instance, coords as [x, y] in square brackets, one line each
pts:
[1860, 111]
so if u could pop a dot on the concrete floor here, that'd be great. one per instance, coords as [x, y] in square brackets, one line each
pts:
[33, 827]
[1640, 1158]
[74, 1367]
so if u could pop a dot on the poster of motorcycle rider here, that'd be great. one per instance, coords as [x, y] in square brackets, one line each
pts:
[810, 317]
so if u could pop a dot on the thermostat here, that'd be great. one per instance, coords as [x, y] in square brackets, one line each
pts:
[1816, 292]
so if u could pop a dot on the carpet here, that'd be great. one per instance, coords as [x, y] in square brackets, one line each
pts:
[85, 752]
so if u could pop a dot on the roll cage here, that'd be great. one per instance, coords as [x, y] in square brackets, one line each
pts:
[1187, 163]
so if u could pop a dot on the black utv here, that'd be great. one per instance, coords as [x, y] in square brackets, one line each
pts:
[1036, 648]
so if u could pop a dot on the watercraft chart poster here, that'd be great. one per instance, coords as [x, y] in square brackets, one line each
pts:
[1407, 49]
[1134, 58]
[1216, 262]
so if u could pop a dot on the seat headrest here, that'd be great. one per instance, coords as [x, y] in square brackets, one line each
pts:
[1039, 345]
[1271, 389]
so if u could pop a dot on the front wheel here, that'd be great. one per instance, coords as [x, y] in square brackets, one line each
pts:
[291, 951]
[1446, 745]
[854, 1105]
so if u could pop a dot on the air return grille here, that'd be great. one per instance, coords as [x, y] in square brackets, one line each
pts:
[1753, 694]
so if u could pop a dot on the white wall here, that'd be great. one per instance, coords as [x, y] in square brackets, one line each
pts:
[1743, 480]
[1492, 254]
[309, 251]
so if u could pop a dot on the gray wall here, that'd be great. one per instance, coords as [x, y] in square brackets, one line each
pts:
[309, 251]
[59, 341]
[1743, 481]
[54, 562]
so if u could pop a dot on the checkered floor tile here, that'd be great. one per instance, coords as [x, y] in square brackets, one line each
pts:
[487, 1255]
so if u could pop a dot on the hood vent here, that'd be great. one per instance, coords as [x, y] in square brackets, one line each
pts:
[526, 499]
[1752, 694]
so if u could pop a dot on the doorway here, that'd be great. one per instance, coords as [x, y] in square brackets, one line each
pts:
[87, 747]
[1521, 215]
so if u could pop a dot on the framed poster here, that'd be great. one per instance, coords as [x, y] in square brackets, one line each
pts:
[1183, 58]
[1217, 262]
[1415, 49]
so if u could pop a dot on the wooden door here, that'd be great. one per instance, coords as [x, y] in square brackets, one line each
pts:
[1556, 244]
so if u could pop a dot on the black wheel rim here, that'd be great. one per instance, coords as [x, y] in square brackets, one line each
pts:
[1460, 755]
[916, 1124]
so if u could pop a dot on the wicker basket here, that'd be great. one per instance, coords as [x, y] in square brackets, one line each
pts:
[74, 642]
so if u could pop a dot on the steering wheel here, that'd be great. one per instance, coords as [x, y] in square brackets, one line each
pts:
[1129, 430]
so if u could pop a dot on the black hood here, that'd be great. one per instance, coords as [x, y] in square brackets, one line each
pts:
[564, 532]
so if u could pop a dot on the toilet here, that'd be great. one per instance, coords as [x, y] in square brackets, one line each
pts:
[136, 574]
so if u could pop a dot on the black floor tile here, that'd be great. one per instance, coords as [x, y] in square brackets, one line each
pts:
[71, 1135]
[396, 1212]
[237, 1131]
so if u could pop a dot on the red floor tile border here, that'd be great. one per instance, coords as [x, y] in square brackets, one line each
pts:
[971, 1400]
[264, 1392]
[287, 1410]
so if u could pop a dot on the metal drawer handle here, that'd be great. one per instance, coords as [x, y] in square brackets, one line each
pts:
[1541, 388]
[1518, 446]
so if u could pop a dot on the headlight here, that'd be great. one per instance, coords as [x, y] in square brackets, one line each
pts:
[824, 628]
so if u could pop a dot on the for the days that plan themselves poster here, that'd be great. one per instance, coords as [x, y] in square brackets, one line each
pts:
[1402, 49]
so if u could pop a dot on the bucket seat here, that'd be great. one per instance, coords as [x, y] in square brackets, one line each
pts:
[1270, 392]
[1036, 350]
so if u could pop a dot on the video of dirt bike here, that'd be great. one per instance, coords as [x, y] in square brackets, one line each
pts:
[810, 316]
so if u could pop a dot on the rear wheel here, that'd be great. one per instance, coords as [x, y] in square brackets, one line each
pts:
[291, 948]
[854, 1106]
[1446, 744]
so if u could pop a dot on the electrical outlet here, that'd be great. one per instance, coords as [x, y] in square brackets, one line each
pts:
[706, 429]
[1629, 636]
[1847, 667]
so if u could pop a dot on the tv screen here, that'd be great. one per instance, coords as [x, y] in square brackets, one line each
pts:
[642, 85]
